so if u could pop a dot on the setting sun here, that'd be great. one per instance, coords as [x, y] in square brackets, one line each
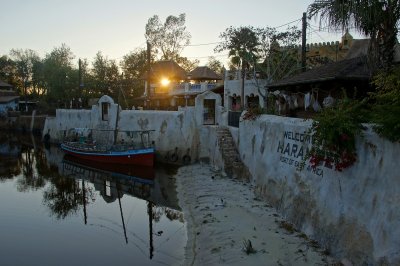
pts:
[165, 82]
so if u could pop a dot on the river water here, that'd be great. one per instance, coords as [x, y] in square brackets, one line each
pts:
[58, 211]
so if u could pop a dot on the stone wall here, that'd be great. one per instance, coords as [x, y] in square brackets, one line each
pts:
[354, 214]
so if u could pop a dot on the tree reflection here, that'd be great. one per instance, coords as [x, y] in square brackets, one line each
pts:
[64, 197]
[9, 156]
[9, 168]
[30, 179]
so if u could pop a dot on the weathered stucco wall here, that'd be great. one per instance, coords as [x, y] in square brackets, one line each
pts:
[355, 214]
[175, 132]
[209, 149]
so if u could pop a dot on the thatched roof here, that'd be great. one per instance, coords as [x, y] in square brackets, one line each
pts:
[204, 73]
[358, 48]
[353, 67]
[7, 99]
[348, 69]
[167, 69]
[4, 85]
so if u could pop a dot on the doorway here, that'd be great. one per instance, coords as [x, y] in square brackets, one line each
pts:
[209, 112]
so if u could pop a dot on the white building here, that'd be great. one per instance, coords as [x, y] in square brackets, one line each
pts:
[9, 99]
[253, 91]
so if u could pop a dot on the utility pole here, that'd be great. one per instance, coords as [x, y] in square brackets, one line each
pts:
[80, 74]
[147, 89]
[243, 74]
[80, 87]
[303, 42]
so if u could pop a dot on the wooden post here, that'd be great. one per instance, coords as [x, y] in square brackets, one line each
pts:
[147, 89]
[303, 43]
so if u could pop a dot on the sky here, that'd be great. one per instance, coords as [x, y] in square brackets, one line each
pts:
[117, 27]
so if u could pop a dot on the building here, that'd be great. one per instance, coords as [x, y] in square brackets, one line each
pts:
[9, 99]
[171, 86]
[327, 52]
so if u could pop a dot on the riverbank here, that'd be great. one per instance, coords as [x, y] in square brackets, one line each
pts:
[222, 214]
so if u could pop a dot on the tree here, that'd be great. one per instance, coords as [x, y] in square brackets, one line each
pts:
[280, 53]
[134, 67]
[8, 71]
[38, 82]
[167, 39]
[386, 108]
[266, 50]
[105, 76]
[215, 65]
[58, 74]
[243, 46]
[24, 61]
[377, 19]
[187, 64]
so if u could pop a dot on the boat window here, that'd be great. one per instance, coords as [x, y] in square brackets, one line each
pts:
[104, 111]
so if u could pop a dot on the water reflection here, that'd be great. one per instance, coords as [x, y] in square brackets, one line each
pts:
[10, 151]
[71, 190]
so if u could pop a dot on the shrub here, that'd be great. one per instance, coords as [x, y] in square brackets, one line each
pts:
[334, 131]
[252, 113]
[386, 109]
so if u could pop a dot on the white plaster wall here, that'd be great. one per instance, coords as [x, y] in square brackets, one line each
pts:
[199, 107]
[250, 87]
[51, 124]
[354, 213]
[235, 135]
[73, 118]
[173, 129]
[209, 147]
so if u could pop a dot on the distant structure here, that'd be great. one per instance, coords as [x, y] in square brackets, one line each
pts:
[9, 99]
[327, 52]
[171, 86]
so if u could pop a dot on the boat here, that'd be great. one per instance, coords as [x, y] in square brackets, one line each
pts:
[138, 153]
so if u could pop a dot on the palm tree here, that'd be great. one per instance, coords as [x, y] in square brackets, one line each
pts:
[377, 19]
[243, 46]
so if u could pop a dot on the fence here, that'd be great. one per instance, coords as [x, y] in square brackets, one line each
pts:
[233, 118]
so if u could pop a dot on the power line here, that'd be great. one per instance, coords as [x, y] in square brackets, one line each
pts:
[222, 55]
[283, 25]
[202, 44]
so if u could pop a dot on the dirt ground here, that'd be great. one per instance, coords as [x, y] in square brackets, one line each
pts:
[228, 225]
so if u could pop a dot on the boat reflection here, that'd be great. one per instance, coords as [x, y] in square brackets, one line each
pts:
[143, 207]
[113, 181]
[107, 178]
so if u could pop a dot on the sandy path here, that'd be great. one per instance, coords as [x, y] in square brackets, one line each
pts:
[221, 213]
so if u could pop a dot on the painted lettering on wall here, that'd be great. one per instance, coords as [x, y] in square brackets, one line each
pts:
[293, 149]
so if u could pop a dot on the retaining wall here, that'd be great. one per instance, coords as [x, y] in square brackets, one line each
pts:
[175, 132]
[355, 214]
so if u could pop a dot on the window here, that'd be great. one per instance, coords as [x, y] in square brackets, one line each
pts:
[104, 111]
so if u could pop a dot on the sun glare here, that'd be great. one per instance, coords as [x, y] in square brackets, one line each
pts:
[165, 82]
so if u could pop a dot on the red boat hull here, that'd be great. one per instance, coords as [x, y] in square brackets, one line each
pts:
[136, 171]
[132, 157]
